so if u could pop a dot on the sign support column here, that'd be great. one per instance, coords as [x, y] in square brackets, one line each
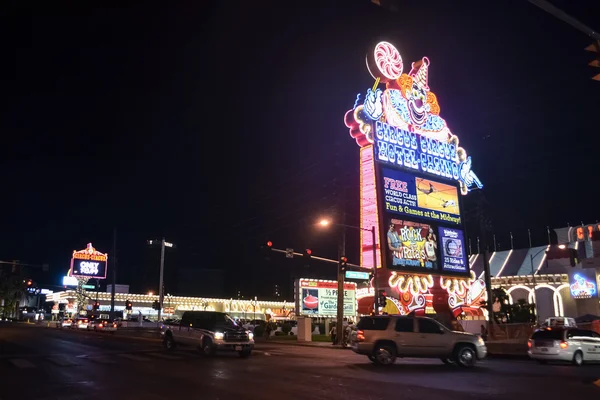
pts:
[160, 283]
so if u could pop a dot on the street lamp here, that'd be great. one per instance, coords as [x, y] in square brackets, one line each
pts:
[326, 222]
[161, 287]
[340, 308]
[150, 293]
[532, 256]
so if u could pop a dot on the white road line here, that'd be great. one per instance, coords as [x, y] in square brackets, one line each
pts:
[134, 357]
[165, 356]
[20, 363]
[102, 360]
[61, 361]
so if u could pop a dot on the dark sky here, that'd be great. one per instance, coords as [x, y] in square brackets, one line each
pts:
[221, 125]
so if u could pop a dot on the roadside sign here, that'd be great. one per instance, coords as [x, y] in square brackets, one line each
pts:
[88, 286]
[357, 275]
[289, 253]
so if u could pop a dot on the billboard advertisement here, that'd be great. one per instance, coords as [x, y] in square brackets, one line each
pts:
[410, 195]
[411, 246]
[89, 263]
[452, 249]
[583, 284]
[318, 298]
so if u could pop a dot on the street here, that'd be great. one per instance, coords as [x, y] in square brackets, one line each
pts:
[41, 363]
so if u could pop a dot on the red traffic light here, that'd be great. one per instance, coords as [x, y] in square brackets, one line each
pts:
[29, 282]
[344, 259]
[269, 244]
[308, 251]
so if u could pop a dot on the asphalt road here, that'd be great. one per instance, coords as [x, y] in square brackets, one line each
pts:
[42, 363]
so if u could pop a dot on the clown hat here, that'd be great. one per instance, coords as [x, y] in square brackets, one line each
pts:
[419, 72]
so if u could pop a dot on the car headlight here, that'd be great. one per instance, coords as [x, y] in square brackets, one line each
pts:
[250, 335]
[481, 341]
[219, 335]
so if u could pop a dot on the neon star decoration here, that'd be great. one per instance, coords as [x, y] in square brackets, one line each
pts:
[403, 121]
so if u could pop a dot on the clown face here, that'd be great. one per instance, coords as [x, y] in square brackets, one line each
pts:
[417, 104]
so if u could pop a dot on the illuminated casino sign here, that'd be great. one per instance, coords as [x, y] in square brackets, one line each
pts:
[89, 263]
[413, 171]
[403, 121]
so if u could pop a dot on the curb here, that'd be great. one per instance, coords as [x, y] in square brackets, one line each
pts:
[300, 344]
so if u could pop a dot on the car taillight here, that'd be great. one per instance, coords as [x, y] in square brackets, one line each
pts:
[564, 345]
[529, 344]
[114, 325]
[360, 336]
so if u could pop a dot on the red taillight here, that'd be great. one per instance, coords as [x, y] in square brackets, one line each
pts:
[564, 345]
[529, 344]
[360, 336]
[114, 325]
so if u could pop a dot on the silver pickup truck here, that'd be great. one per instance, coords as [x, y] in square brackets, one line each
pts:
[209, 332]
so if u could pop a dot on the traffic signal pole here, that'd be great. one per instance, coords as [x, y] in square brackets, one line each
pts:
[160, 281]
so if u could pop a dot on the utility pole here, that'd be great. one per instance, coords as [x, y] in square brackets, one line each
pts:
[483, 228]
[114, 274]
[160, 282]
[340, 278]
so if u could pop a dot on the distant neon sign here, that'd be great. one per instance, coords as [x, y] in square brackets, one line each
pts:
[403, 121]
[583, 287]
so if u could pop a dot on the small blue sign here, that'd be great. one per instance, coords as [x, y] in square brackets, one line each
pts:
[357, 275]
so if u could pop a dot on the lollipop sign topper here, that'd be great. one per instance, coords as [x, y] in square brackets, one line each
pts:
[403, 120]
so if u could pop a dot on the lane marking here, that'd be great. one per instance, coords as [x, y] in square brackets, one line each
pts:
[20, 363]
[165, 356]
[102, 360]
[134, 357]
[62, 361]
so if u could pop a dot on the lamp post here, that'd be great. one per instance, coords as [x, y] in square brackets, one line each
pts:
[340, 308]
[531, 257]
[161, 288]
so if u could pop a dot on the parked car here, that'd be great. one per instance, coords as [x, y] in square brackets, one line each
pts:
[384, 338]
[208, 331]
[572, 345]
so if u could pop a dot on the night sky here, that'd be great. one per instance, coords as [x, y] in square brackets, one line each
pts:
[220, 126]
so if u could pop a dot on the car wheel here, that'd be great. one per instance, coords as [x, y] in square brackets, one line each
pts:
[245, 353]
[578, 358]
[169, 342]
[372, 358]
[466, 357]
[385, 355]
[447, 361]
[207, 348]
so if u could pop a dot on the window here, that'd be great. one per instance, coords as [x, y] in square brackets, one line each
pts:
[579, 333]
[373, 324]
[405, 325]
[554, 334]
[428, 326]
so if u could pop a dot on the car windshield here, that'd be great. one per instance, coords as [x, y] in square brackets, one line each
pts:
[230, 321]
[549, 334]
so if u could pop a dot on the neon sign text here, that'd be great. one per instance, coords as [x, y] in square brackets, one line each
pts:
[89, 268]
[411, 150]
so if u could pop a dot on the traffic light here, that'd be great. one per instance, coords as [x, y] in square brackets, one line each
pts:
[381, 298]
[562, 252]
[29, 282]
[266, 250]
[155, 305]
[306, 256]
[343, 263]
[128, 305]
[96, 306]
[595, 48]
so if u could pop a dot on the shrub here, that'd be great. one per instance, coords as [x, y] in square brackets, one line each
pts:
[259, 331]
[286, 328]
